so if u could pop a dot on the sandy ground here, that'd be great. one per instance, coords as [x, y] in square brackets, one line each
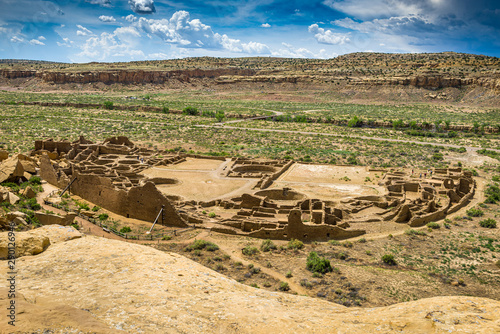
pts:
[330, 182]
[200, 180]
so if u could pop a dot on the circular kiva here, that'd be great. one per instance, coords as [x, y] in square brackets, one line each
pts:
[254, 169]
[281, 195]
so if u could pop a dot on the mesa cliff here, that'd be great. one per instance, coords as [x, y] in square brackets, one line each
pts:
[429, 71]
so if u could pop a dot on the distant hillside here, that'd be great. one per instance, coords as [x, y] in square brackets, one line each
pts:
[348, 74]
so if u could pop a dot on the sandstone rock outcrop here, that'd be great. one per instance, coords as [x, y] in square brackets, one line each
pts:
[141, 289]
[53, 219]
[17, 167]
[25, 244]
[36, 241]
[44, 314]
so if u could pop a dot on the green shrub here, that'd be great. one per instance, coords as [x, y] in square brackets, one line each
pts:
[437, 156]
[284, 286]
[190, 111]
[35, 180]
[202, 244]
[31, 204]
[103, 216]
[75, 226]
[125, 229]
[108, 105]
[267, 245]
[249, 250]
[318, 264]
[398, 124]
[288, 274]
[347, 244]
[433, 225]
[474, 212]
[488, 223]
[306, 284]
[355, 122]
[493, 194]
[219, 116]
[212, 215]
[96, 208]
[295, 244]
[389, 259]
[166, 237]
[414, 232]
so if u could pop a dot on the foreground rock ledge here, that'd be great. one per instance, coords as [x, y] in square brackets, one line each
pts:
[139, 289]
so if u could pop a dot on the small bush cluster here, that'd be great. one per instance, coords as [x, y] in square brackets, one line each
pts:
[284, 286]
[488, 223]
[412, 232]
[389, 259]
[103, 216]
[433, 225]
[318, 264]
[493, 194]
[190, 111]
[126, 229]
[295, 244]
[474, 212]
[202, 244]
[249, 250]
[267, 245]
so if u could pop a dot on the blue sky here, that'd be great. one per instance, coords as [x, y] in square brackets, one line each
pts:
[125, 30]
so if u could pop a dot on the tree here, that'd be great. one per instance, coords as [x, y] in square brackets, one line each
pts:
[190, 111]
[355, 122]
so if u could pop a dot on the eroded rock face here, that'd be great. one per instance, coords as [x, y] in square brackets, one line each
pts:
[35, 241]
[25, 244]
[234, 75]
[164, 292]
[53, 219]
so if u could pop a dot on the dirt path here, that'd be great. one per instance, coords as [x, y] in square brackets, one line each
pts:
[469, 148]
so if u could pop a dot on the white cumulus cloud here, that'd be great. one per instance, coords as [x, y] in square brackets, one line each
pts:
[124, 42]
[17, 39]
[327, 36]
[289, 51]
[103, 3]
[105, 18]
[187, 33]
[82, 31]
[366, 9]
[36, 42]
[142, 6]
[131, 18]
[66, 42]
[265, 25]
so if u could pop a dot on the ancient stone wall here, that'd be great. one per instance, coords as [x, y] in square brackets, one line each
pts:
[140, 202]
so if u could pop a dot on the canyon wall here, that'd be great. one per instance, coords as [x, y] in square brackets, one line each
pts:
[235, 75]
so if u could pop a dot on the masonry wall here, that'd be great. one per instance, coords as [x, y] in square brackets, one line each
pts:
[140, 202]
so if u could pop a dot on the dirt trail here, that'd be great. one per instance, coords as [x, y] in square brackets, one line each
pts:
[469, 148]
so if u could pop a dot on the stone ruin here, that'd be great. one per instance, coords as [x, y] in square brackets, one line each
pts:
[108, 174]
